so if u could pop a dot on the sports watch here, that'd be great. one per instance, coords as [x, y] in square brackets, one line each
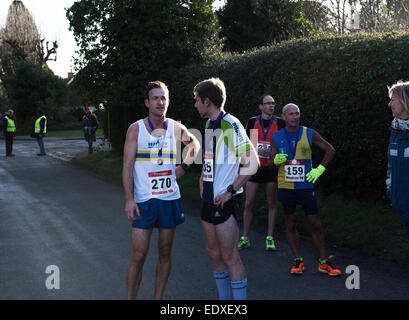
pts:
[231, 189]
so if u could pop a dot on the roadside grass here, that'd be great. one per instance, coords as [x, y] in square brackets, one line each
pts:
[70, 133]
[373, 229]
[104, 163]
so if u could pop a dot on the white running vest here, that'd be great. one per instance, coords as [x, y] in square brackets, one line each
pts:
[152, 180]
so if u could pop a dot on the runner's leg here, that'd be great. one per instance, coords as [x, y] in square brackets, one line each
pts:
[227, 236]
[165, 242]
[251, 190]
[140, 247]
[292, 234]
[220, 270]
[317, 234]
[271, 192]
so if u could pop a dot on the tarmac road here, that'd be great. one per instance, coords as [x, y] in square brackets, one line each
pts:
[54, 214]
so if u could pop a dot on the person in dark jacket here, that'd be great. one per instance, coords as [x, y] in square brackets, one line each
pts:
[397, 182]
[90, 126]
[9, 130]
[40, 129]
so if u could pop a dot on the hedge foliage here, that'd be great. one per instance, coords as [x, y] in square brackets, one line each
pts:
[339, 83]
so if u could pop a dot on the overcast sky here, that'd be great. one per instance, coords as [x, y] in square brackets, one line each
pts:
[52, 24]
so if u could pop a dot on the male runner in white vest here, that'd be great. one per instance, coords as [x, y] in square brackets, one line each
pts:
[149, 179]
[229, 160]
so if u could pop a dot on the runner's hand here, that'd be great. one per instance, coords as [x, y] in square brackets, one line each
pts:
[130, 208]
[280, 158]
[179, 172]
[222, 199]
[314, 174]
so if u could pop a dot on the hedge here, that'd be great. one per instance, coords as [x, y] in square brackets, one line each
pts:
[339, 83]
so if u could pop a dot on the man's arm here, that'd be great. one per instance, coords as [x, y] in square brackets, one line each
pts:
[42, 125]
[201, 186]
[276, 158]
[130, 149]
[273, 151]
[329, 153]
[324, 145]
[193, 145]
[250, 163]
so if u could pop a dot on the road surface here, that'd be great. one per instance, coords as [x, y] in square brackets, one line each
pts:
[64, 235]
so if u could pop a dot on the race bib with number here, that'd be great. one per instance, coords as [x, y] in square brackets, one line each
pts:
[208, 167]
[294, 171]
[161, 182]
[264, 146]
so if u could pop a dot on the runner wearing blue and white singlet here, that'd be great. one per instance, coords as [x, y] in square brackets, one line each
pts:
[152, 197]
[154, 173]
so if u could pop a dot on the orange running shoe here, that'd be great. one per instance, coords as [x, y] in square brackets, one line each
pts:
[327, 267]
[298, 266]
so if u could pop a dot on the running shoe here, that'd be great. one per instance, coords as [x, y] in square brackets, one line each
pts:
[327, 267]
[270, 245]
[298, 266]
[244, 243]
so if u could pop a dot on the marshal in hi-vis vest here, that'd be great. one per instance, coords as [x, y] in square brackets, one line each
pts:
[37, 127]
[11, 126]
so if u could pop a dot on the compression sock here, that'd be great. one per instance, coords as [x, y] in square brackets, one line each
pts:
[239, 289]
[223, 284]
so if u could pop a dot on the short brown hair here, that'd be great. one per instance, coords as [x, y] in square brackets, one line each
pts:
[213, 89]
[401, 90]
[155, 84]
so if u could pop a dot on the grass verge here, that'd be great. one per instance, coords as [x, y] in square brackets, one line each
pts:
[373, 229]
[70, 133]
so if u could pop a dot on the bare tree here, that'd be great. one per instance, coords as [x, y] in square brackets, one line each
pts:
[367, 15]
[339, 11]
[20, 40]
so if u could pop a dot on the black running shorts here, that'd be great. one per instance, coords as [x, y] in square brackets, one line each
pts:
[265, 174]
[215, 215]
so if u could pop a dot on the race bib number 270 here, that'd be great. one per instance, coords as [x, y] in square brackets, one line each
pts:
[161, 182]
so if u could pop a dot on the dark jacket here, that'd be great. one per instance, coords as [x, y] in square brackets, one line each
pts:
[89, 125]
[398, 172]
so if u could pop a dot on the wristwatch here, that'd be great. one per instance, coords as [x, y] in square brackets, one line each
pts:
[231, 189]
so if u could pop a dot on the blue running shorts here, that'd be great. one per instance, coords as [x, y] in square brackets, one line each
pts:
[289, 198]
[156, 213]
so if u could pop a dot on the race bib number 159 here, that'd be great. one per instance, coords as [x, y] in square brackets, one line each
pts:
[294, 171]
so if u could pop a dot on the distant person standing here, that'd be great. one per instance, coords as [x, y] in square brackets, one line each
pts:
[40, 129]
[9, 127]
[90, 126]
[397, 181]
[260, 129]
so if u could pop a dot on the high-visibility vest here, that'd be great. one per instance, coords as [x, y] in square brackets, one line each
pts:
[37, 127]
[11, 126]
